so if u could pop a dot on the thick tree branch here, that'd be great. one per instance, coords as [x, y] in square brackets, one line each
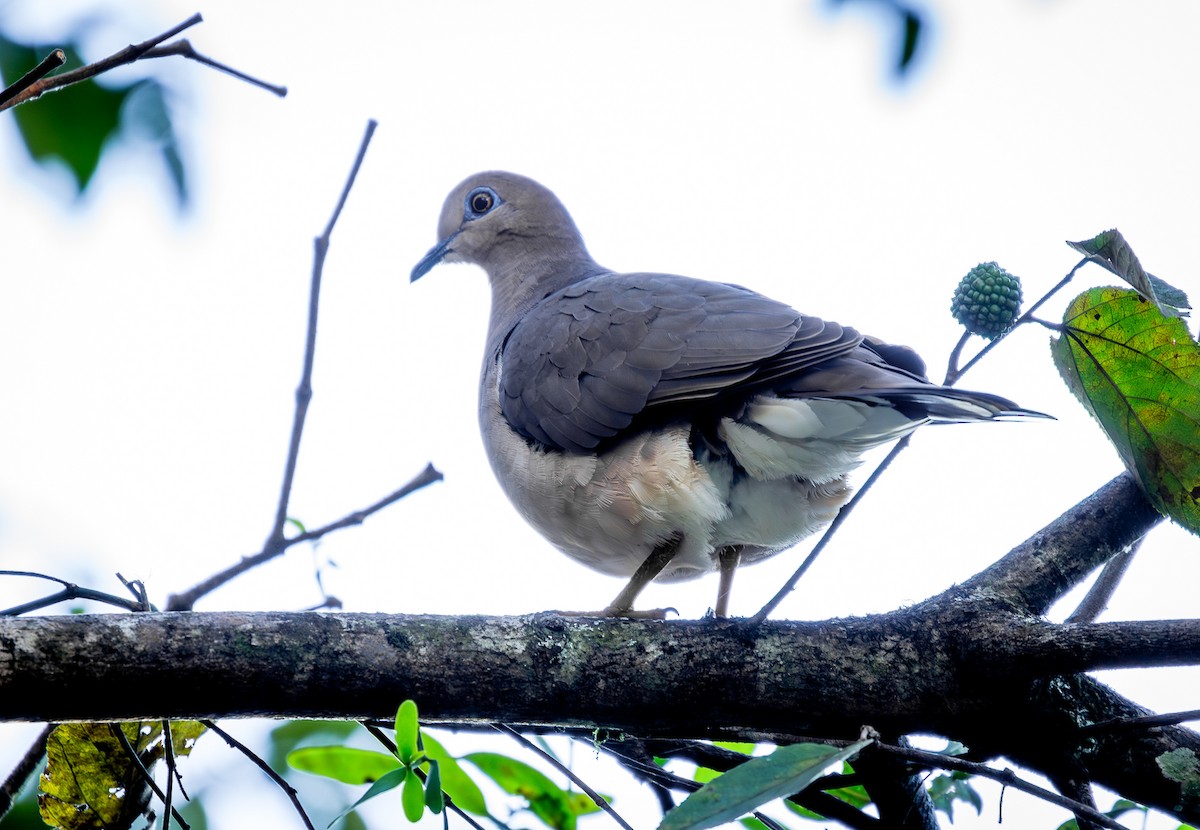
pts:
[907, 671]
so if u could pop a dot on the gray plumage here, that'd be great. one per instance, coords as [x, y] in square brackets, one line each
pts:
[625, 412]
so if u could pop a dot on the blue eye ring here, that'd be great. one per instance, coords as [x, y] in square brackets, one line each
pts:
[480, 201]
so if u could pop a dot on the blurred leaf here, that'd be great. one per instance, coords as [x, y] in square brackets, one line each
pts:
[91, 782]
[1138, 373]
[343, 763]
[948, 788]
[455, 781]
[547, 800]
[1110, 250]
[146, 114]
[289, 735]
[787, 770]
[407, 731]
[413, 797]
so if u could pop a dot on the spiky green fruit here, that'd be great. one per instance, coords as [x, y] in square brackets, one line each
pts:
[987, 300]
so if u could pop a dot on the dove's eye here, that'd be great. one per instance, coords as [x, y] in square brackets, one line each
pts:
[480, 201]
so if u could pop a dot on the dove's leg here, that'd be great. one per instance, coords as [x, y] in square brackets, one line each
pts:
[653, 565]
[729, 559]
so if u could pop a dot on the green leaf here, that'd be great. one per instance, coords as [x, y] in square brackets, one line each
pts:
[290, 734]
[1138, 373]
[343, 763]
[547, 800]
[455, 781]
[1110, 251]
[388, 782]
[413, 797]
[744, 788]
[948, 788]
[407, 731]
[433, 788]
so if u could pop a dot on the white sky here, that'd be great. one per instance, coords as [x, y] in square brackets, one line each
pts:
[150, 360]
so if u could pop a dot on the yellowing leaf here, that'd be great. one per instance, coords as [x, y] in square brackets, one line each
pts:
[1138, 373]
[91, 782]
[787, 770]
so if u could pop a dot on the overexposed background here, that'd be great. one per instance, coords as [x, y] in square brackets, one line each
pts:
[150, 357]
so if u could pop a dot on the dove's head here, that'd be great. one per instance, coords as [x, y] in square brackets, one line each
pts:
[508, 225]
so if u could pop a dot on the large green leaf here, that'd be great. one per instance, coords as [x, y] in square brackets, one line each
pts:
[787, 770]
[1138, 373]
[548, 801]
[343, 763]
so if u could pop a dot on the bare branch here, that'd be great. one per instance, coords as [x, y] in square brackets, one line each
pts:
[69, 592]
[275, 777]
[304, 390]
[1041, 569]
[186, 600]
[25, 768]
[183, 48]
[1096, 601]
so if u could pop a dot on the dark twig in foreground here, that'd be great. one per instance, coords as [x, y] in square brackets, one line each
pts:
[26, 767]
[1146, 722]
[287, 788]
[597, 799]
[127, 55]
[119, 733]
[48, 64]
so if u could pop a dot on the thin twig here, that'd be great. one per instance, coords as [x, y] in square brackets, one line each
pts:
[597, 799]
[127, 55]
[70, 591]
[1102, 590]
[287, 788]
[184, 49]
[48, 64]
[169, 757]
[26, 767]
[827, 536]
[384, 740]
[119, 733]
[1006, 777]
[275, 538]
[185, 600]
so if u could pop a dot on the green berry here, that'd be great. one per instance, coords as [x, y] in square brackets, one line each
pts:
[987, 300]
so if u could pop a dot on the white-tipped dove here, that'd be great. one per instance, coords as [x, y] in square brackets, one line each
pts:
[662, 427]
